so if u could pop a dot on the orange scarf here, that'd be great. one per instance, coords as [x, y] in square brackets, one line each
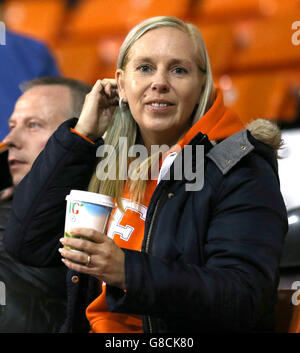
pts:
[218, 123]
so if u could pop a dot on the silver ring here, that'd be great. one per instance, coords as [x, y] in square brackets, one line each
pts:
[88, 261]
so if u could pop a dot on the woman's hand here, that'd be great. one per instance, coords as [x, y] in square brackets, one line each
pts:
[98, 109]
[98, 256]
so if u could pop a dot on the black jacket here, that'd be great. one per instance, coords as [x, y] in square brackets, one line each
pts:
[35, 298]
[209, 260]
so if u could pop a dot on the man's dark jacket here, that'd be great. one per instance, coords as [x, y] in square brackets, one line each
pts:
[209, 260]
[35, 298]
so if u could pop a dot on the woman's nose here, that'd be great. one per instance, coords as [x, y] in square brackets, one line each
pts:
[160, 82]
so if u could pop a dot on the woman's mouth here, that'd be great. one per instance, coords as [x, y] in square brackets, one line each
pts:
[160, 106]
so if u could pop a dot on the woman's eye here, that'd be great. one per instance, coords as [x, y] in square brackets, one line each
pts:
[180, 70]
[144, 68]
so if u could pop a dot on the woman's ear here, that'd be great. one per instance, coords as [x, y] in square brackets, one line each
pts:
[121, 83]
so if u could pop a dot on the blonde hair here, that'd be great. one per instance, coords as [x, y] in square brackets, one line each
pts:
[124, 124]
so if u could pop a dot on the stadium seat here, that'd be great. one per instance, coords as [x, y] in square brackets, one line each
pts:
[226, 10]
[287, 314]
[231, 10]
[39, 19]
[99, 17]
[89, 60]
[295, 320]
[78, 59]
[108, 50]
[291, 103]
[140, 10]
[265, 44]
[219, 42]
[255, 95]
[285, 9]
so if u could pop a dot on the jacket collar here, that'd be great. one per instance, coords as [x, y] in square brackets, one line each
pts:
[262, 136]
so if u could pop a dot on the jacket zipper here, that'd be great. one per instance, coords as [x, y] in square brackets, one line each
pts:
[147, 249]
[149, 236]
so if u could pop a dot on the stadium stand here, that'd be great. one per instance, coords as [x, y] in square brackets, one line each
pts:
[40, 19]
[86, 37]
[111, 17]
[230, 10]
[272, 50]
[267, 91]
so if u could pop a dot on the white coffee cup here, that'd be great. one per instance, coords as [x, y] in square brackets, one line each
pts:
[87, 210]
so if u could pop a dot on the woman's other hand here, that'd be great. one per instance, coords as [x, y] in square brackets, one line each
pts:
[98, 109]
[98, 256]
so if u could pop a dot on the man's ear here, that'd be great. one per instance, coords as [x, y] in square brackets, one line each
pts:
[121, 83]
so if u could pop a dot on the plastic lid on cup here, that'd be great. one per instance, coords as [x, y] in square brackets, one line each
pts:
[91, 197]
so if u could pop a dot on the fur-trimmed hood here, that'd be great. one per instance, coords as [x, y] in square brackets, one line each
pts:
[267, 132]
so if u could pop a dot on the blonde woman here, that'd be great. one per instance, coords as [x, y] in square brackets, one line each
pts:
[194, 247]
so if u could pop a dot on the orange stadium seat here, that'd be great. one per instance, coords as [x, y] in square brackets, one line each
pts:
[224, 10]
[287, 314]
[41, 19]
[95, 17]
[108, 50]
[78, 59]
[228, 10]
[256, 95]
[219, 42]
[140, 10]
[295, 321]
[285, 9]
[265, 44]
[88, 60]
[290, 104]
